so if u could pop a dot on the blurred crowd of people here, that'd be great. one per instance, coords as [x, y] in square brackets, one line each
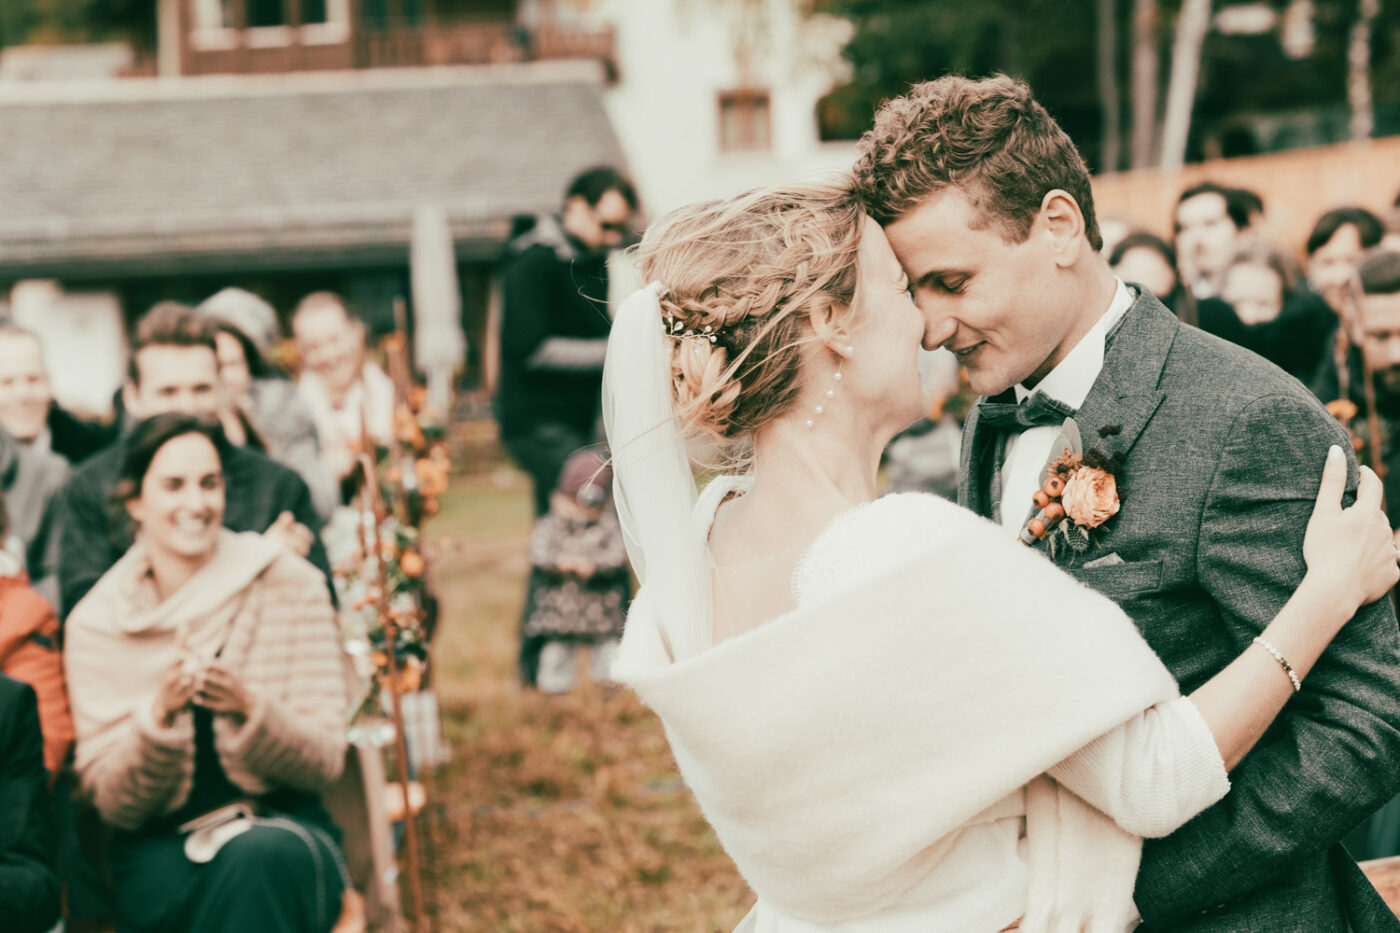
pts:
[174, 681]
[1326, 311]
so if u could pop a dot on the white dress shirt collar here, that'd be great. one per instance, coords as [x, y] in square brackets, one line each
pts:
[1070, 381]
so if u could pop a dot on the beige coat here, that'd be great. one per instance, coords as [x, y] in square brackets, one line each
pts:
[268, 616]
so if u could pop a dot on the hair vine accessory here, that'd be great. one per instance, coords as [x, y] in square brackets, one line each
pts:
[675, 328]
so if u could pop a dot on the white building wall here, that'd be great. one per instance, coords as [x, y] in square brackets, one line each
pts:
[84, 340]
[676, 56]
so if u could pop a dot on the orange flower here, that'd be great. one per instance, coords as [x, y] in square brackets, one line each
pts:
[431, 475]
[380, 659]
[407, 429]
[412, 563]
[1091, 497]
[1342, 409]
[394, 474]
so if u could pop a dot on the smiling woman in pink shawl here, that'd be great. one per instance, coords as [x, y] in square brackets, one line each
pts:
[209, 698]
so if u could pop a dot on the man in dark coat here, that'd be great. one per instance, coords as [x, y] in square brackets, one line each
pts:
[1218, 456]
[174, 367]
[554, 327]
[27, 406]
[28, 884]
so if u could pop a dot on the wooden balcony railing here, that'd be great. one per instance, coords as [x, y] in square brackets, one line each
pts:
[477, 44]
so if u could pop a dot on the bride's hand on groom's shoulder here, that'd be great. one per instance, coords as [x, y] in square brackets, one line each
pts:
[1350, 551]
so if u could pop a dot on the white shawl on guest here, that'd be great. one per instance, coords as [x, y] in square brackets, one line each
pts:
[833, 747]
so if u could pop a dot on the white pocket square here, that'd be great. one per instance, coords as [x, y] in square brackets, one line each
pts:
[1108, 560]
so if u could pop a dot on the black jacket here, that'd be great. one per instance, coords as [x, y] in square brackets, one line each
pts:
[554, 332]
[28, 885]
[92, 531]
[1298, 341]
[74, 439]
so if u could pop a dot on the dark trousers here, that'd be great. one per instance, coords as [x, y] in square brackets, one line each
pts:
[541, 452]
[282, 876]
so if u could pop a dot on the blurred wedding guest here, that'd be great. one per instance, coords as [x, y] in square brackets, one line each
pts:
[1335, 245]
[209, 696]
[29, 651]
[261, 407]
[30, 479]
[345, 391]
[1150, 261]
[27, 406]
[579, 579]
[29, 889]
[554, 326]
[1265, 307]
[1257, 282]
[1379, 274]
[1209, 221]
[174, 368]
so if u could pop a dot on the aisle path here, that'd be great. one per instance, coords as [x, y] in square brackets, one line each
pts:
[561, 814]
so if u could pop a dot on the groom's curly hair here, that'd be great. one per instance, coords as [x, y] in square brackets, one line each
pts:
[989, 138]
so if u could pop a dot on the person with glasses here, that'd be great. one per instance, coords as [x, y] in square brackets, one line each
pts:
[554, 333]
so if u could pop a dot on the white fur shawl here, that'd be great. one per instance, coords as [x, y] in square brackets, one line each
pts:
[834, 746]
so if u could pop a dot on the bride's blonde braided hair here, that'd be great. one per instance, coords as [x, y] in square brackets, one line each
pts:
[742, 278]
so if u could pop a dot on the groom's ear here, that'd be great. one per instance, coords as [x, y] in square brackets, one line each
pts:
[1062, 222]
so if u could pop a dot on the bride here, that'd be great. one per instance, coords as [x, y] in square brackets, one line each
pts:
[895, 717]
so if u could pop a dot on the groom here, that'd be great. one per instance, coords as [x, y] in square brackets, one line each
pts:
[1218, 457]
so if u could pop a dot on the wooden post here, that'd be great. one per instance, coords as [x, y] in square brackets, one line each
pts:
[375, 503]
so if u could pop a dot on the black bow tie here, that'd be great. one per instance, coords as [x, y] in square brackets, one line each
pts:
[1037, 410]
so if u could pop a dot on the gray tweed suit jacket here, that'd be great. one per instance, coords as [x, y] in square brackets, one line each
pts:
[1223, 456]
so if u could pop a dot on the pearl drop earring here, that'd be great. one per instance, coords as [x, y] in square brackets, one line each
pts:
[831, 392]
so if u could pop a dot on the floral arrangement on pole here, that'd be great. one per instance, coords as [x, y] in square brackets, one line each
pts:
[1078, 493]
[369, 618]
[409, 477]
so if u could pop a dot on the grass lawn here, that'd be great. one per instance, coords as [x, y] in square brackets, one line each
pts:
[556, 813]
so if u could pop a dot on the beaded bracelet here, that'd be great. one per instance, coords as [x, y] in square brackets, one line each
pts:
[1268, 646]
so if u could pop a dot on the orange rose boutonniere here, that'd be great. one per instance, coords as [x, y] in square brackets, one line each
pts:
[1091, 497]
[1078, 494]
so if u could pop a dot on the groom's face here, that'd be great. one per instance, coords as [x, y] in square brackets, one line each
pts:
[1002, 298]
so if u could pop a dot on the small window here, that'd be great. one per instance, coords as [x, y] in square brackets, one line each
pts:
[213, 14]
[265, 13]
[744, 120]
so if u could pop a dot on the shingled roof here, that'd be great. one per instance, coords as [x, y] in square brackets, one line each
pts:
[291, 170]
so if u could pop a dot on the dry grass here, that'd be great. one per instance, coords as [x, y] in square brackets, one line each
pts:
[557, 814]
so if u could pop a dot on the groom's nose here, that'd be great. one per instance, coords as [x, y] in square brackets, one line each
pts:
[937, 333]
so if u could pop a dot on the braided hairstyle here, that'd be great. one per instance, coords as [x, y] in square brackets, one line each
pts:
[742, 279]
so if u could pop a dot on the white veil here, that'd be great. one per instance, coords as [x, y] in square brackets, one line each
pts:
[653, 485]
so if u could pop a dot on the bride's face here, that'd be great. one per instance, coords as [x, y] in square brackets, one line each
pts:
[883, 371]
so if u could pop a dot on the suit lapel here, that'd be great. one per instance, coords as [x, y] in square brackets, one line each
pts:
[1125, 396]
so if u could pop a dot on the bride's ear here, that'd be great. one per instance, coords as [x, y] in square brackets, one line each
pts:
[829, 328]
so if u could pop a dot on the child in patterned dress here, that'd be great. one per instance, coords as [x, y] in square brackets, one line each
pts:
[579, 578]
